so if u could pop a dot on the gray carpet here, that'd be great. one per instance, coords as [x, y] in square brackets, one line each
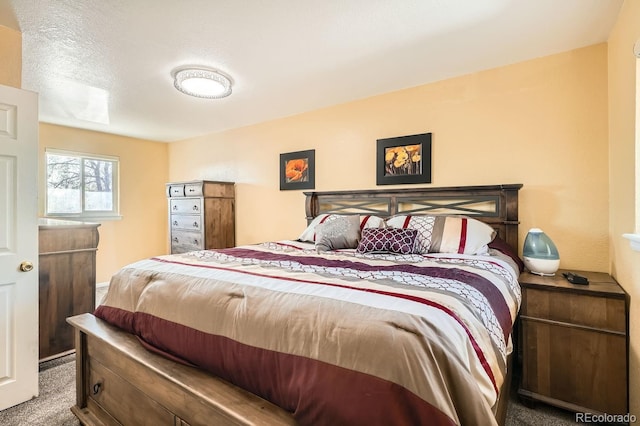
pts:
[52, 406]
[57, 395]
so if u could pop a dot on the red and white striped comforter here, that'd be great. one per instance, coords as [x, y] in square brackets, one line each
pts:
[334, 338]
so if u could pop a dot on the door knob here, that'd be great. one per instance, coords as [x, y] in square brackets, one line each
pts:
[26, 266]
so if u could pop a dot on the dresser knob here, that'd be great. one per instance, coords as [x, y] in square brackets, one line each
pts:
[175, 223]
[175, 207]
[195, 208]
[175, 239]
[195, 242]
[195, 224]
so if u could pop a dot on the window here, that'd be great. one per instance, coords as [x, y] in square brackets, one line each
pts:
[81, 185]
[635, 237]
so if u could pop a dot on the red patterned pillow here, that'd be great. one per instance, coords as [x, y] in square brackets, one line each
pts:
[423, 224]
[387, 240]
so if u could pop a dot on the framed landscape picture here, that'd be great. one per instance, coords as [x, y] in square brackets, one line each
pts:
[297, 170]
[404, 159]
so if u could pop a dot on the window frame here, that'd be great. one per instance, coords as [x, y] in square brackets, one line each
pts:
[113, 214]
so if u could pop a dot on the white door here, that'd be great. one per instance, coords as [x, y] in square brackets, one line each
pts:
[18, 246]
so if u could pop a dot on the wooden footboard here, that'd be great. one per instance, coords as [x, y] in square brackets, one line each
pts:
[118, 382]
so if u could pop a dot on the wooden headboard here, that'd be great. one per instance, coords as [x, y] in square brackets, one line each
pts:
[496, 205]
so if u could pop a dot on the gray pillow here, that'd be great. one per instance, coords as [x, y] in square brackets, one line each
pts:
[340, 233]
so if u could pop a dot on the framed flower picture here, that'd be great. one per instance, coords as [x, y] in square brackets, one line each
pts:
[404, 159]
[297, 170]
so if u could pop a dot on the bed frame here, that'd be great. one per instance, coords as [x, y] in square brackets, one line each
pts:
[116, 378]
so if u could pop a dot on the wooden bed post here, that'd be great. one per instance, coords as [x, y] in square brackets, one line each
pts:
[511, 212]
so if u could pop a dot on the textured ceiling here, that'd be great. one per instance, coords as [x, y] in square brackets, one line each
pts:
[106, 64]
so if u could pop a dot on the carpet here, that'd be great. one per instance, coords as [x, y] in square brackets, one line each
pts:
[57, 395]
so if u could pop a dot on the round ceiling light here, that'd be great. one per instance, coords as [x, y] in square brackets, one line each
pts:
[202, 82]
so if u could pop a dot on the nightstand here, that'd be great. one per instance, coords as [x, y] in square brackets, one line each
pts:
[574, 343]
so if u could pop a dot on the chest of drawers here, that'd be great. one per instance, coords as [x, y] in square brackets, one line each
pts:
[201, 215]
[67, 280]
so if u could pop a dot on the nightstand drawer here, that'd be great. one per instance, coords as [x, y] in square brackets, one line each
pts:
[577, 309]
[573, 366]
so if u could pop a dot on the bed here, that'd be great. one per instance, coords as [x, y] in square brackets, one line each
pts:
[322, 329]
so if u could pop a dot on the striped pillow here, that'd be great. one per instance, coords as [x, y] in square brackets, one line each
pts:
[446, 234]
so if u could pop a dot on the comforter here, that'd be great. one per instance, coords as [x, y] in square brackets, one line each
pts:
[334, 338]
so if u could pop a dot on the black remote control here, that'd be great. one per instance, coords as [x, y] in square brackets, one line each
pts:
[575, 278]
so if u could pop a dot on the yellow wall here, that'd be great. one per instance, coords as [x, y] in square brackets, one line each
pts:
[624, 167]
[10, 57]
[542, 123]
[142, 231]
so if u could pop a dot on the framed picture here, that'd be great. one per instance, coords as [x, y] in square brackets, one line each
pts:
[298, 170]
[404, 159]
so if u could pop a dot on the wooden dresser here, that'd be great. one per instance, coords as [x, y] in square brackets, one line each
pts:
[574, 343]
[201, 215]
[67, 280]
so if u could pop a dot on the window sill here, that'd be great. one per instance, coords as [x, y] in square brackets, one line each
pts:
[635, 241]
[87, 218]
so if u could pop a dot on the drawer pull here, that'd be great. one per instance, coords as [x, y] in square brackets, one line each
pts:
[96, 388]
[175, 207]
[175, 239]
[192, 190]
[195, 208]
[175, 223]
[195, 224]
[195, 242]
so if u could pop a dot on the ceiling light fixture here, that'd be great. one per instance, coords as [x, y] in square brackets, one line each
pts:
[202, 82]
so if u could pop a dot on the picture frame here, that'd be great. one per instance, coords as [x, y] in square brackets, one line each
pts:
[404, 159]
[298, 170]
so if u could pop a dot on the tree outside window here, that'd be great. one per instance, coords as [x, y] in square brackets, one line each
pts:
[81, 185]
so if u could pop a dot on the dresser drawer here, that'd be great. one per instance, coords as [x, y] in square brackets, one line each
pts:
[192, 189]
[186, 222]
[175, 190]
[186, 205]
[183, 241]
[578, 309]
